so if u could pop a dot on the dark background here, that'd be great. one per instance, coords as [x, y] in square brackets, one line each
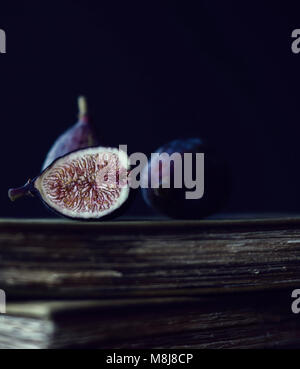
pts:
[154, 71]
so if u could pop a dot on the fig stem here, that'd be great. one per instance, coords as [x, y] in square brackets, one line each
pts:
[16, 193]
[82, 106]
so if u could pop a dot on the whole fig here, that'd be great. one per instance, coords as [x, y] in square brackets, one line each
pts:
[79, 136]
[172, 201]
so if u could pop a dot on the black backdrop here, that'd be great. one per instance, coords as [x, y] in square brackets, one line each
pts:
[154, 71]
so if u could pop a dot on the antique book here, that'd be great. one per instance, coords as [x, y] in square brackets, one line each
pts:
[67, 259]
[150, 284]
[246, 320]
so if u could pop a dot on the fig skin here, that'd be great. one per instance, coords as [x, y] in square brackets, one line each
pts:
[81, 135]
[172, 202]
[30, 190]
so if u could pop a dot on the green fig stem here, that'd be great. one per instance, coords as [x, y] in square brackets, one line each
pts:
[82, 107]
[16, 193]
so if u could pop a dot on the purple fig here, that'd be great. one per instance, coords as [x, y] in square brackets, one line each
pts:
[79, 136]
[86, 184]
[172, 201]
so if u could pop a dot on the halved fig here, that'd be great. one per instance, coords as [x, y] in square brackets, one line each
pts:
[85, 184]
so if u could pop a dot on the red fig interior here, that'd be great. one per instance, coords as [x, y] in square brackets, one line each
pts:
[88, 183]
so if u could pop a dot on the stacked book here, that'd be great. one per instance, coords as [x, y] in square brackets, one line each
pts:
[150, 284]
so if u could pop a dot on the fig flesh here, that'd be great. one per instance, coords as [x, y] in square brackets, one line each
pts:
[172, 201]
[85, 184]
[81, 135]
